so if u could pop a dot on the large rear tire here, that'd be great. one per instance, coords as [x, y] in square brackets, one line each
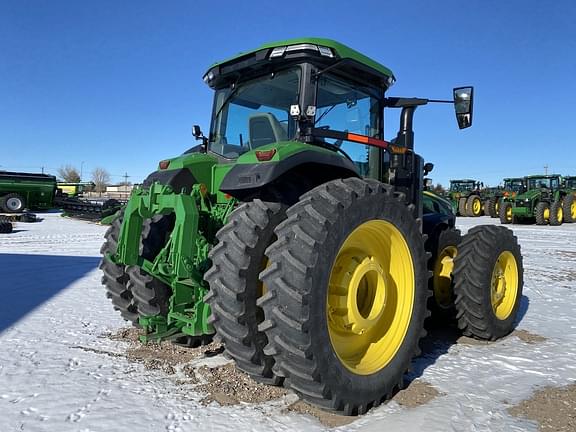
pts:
[462, 207]
[569, 206]
[115, 278]
[237, 261]
[473, 206]
[490, 208]
[347, 292]
[542, 213]
[488, 281]
[505, 213]
[556, 213]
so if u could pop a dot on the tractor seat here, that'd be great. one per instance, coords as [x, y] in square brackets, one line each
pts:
[265, 129]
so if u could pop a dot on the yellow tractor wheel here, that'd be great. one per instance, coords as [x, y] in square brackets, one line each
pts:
[443, 247]
[474, 206]
[488, 282]
[347, 293]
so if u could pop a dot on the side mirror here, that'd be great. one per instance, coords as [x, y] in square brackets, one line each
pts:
[463, 103]
[428, 167]
[197, 132]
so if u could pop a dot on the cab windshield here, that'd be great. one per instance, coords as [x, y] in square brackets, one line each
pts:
[514, 186]
[571, 183]
[254, 113]
[461, 187]
[539, 183]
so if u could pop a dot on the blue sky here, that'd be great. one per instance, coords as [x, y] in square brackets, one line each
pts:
[119, 84]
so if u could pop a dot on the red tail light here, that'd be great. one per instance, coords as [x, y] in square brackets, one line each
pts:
[265, 155]
[164, 164]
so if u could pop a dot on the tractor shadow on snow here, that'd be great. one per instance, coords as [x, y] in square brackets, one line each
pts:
[27, 281]
[441, 337]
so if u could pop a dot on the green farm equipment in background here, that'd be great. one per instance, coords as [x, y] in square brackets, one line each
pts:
[544, 200]
[467, 196]
[22, 191]
[510, 188]
[297, 233]
[19, 191]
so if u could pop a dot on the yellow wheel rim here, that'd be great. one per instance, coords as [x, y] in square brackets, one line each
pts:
[496, 206]
[442, 279]
[370, 297]
[509, 213]
[573, 210]
[560, 214]
[476, 206]
[504, 285]
[546, 213]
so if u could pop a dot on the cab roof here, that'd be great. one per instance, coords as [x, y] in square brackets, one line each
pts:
[318, 49]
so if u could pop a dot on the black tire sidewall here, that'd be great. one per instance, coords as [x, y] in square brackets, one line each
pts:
[500, 327]
[365, 387]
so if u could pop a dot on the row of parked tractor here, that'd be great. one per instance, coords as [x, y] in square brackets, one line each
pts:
[543, 199]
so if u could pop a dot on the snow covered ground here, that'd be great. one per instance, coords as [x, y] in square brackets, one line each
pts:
[54, 376]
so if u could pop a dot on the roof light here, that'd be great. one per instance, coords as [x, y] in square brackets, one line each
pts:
[164, 164]
[325, 51]
[208, 77]
[278, 52]
[265, 155]
[302, 47]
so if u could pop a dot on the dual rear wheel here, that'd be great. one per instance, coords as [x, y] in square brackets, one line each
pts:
[340, 311]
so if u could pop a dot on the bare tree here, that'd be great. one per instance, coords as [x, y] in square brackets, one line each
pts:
[68, 173]
[439, 189]
[101, 179]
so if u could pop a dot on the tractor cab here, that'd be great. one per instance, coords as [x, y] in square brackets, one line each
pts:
[318, 92]
[570, 183]
[549, 182]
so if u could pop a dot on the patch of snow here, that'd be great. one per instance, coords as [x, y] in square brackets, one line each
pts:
[54, 377]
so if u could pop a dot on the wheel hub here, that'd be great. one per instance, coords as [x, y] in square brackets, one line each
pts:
[360, 298]
[13, 204]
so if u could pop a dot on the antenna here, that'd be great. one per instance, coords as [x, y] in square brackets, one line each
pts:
[546, 169]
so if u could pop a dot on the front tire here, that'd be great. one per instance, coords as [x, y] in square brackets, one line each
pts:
[237, 261]
[488, 282]
[347, 293]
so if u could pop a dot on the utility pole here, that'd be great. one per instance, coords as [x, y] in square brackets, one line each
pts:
[546, 169]
[126, 182]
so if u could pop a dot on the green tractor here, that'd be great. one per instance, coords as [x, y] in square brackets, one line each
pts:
[296, 234]
[511, 187]
[543, 200]
[466, 197]
[569, 202]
